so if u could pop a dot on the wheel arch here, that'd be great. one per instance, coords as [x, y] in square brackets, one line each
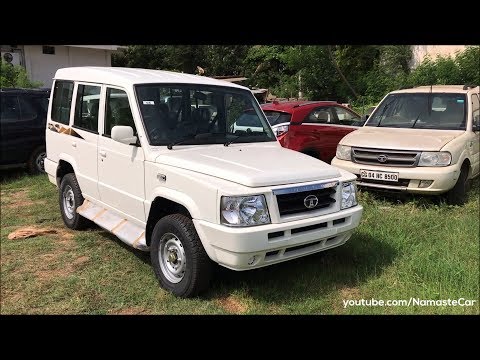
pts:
[66, 164]
[164, 203]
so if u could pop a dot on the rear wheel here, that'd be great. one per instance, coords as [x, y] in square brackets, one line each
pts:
[35, 162]
[458, 194]
[179, 260]
[70, 198]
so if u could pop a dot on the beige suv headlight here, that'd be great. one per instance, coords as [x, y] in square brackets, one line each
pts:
[244, 210]
[344, 152]
[435, 158]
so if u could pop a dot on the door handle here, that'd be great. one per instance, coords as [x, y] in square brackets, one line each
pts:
[103, 153]
[74, 144]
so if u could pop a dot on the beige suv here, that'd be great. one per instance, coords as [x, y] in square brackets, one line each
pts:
[423, 140]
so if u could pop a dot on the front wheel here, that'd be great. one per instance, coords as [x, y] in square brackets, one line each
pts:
[458, 194]
[70, 198]
[179, 260]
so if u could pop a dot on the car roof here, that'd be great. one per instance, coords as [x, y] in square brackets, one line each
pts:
[24, 91]
[290, 106]
[126, 77]
[458, 89]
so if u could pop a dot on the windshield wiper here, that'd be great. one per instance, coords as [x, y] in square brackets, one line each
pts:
[172, 144]
[383, 111]
[418, 117]
[226, 143]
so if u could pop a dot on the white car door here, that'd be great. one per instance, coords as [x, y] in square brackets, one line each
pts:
[84, 140]
[120, 166]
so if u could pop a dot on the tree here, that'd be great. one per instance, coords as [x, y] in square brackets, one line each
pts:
[16, 76]
[463, 68]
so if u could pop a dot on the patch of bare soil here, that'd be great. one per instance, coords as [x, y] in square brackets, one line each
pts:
[18, 199]
[51, 274]
[30, 232]
[134, 310]
[349, 293]
[232, 305]
[79, 262]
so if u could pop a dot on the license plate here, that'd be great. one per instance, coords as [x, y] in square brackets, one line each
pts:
[379, 175]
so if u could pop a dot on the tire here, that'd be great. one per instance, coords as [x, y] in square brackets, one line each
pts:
[70, 198]
[458, 194]
[192, 270]
[36, 159]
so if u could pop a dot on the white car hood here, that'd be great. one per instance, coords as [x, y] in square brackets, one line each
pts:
[250, 165]
[400, 139]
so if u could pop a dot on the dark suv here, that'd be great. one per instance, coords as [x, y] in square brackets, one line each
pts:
[23, 114]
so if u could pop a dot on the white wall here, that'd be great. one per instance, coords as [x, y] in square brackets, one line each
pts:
[421, 51]
[42, 67]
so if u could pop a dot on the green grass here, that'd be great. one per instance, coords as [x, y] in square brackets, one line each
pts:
[417, 247]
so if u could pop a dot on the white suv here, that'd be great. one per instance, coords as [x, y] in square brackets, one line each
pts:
[423, 140]
[152, 157]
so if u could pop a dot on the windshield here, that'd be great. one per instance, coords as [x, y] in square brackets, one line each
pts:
[442, 111]
[277, 117]
[201, 114]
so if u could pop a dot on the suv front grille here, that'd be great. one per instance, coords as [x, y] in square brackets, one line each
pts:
[295, 202]
[398, 158]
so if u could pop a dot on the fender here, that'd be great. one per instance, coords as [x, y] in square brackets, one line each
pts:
[70, 159]
[175, 196]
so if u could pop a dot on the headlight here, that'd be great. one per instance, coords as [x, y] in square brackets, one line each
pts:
[279, 130]
[349, 195]
[244, 210]
[344, 152]
[435, 158]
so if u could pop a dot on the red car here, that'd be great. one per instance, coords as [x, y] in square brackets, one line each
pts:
[311, 127]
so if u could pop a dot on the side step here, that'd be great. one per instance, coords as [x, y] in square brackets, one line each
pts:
[125, 230]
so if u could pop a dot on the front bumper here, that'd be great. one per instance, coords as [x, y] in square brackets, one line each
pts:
[258, 246]
[444, 178]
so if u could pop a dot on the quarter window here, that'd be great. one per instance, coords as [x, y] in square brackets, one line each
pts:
[62, 101]
[86, 108]
[117, 111]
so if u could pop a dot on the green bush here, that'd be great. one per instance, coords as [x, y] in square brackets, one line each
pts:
[16, 76]
[464, 68]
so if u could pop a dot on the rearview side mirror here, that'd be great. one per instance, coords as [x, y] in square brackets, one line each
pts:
[123, 134]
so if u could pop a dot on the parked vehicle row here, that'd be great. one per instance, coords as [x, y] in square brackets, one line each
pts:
[194, 171]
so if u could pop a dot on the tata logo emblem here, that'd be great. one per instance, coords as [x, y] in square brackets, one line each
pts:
[382, 158]
[310, 201]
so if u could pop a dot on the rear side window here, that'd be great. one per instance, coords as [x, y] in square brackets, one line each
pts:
[321, 115]
[27, 110]
[9, 109]
[86, 107]
[476, 110]
[62, 101]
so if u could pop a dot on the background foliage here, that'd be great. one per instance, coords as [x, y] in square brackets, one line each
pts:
[15, 76]
[347, 73]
